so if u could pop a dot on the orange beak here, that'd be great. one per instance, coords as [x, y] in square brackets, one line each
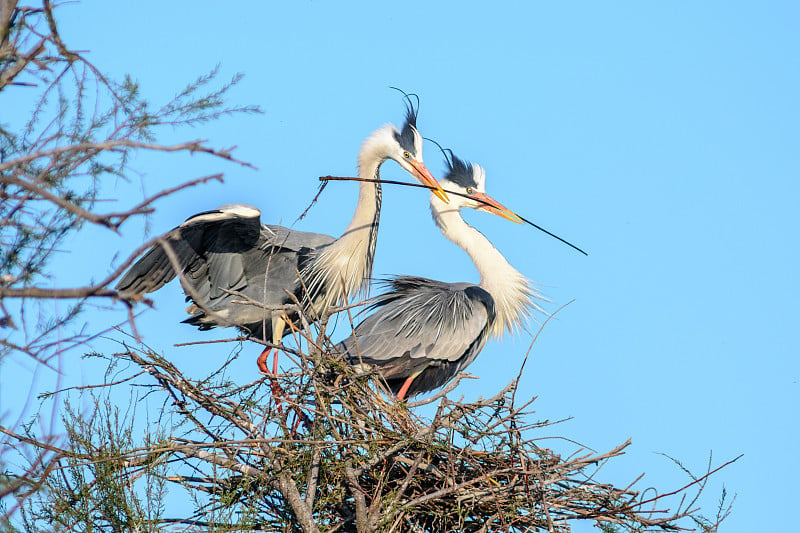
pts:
[493, 206]
[425, 176]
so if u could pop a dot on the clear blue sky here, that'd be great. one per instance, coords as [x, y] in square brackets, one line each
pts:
[662, 137]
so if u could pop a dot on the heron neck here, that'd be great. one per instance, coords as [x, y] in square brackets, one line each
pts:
[343, 269]
[510, 290]
[357, 243]
[363, 228]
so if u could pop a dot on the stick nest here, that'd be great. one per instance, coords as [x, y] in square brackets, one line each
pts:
[328, 449]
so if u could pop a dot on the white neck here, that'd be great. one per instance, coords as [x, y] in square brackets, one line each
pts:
[510, 290]
[343, 269]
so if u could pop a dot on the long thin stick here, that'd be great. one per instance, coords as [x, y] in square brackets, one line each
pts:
[393, 182]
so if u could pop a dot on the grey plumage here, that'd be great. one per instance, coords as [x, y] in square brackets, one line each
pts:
[422, 325]
[422, 332]
[228, 251]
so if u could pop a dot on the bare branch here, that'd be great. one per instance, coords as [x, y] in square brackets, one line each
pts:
[119, 144]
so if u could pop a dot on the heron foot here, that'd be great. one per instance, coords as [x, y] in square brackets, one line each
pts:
[277, 391]
[262, 361]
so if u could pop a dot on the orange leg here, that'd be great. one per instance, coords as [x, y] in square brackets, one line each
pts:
[407, 384]
[262, 361]
[275, 363]
[262, 367]
[278, 324]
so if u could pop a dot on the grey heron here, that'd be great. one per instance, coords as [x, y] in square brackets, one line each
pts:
[237, 271]
[421, 333]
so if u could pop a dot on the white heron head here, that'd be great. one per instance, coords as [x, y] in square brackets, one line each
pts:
[469, 179]
[404, 146]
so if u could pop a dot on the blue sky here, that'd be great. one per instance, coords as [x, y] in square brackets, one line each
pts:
[662, 137]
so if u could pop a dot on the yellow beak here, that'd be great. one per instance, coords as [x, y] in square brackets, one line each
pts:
[491, 205]
[425, 176]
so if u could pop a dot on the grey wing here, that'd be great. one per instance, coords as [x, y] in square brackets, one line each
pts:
[231, 229]
[422, 319]
[262, 269]
[293, 239]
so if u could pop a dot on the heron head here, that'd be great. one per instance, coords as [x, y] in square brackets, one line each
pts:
[469, 179]
[409, 152]
[403, 146]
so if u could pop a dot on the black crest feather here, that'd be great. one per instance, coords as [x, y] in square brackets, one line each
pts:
[459, 171]
[406, 135]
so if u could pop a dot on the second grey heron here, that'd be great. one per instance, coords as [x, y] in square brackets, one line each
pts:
[423, 332]
[237, 271]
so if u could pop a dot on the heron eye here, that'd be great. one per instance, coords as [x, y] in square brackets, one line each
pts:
[406, 155]
[469, 190]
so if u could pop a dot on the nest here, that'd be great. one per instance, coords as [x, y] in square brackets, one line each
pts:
[328, 449]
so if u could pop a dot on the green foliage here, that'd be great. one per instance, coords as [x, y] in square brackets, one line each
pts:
[96, 484]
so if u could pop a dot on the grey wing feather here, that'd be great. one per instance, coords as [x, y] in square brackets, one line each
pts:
[226, 272]
[231, 228]
[154, 270]
[223, 251]
[214, 245]
[421, 318]
[294, 240]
